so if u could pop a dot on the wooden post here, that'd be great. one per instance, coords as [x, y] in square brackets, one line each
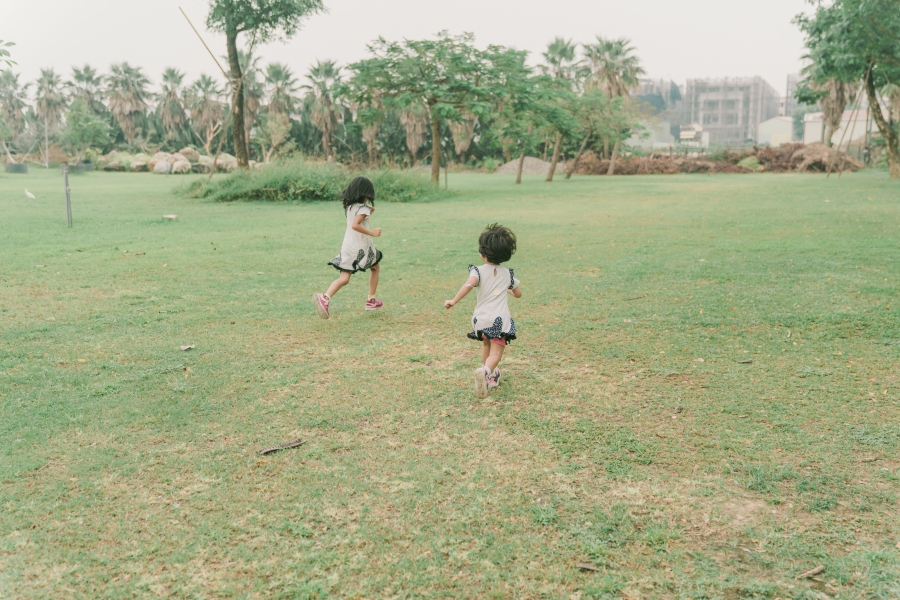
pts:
[65, 170]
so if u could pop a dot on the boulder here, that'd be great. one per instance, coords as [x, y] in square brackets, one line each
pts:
[228, 167]
[225, 157]
[181, 166]
[111, 156]
[161, 156]
[162, 167]
[190, 154]
[114, 166]
[205, 160]
[201, 167]
[139, 167]
[179, 156]
[172, 159]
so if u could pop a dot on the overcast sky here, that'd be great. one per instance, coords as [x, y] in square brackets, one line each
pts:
[675, 39]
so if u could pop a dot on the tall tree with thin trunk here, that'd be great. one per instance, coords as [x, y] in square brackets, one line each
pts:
[170, 104]
[207, 112]
[263, 20]
[561, 64]
[615, 71]
[324, 79]
[13, 101]
[87, 84]
[415, 122]
[127, 97]
[50, 104]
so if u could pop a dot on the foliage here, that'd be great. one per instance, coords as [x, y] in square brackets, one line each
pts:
[5, 54]
[857, 42]
[84, 129]
[127, 92]
[299, 180]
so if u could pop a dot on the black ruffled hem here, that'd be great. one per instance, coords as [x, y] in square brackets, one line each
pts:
[479, 336]
[378, 257]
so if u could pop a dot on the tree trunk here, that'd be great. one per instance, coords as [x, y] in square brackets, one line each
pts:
[612, 161]
[371, 150]
[571, 168]
[241, 152]
[884, 126]
[436, 150]
[555, 160]
[8, 155]
[522, 158]
[46, 145]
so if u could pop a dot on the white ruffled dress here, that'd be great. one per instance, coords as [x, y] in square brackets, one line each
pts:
[358, 252]
[492, 318]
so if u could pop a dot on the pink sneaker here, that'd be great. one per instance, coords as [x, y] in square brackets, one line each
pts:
[494, 379]
[321, 302]
[481, 382]
[374, 304]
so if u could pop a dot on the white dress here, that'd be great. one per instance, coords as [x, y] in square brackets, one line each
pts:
[492, 316]
[358, 253]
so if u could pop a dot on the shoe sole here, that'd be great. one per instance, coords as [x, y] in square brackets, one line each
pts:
[319, 308]
[481, 390]
[373, 308]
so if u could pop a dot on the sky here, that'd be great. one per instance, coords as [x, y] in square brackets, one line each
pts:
[675, 40]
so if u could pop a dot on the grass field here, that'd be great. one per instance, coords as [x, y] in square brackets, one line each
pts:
[630, 432]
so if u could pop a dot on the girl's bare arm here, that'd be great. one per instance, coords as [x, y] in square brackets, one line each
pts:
[463, 291]
[357, 226]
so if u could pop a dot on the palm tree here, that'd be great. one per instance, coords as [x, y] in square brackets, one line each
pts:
[86, 84]
[615, 71]
[326, 114]
[415, 121]
[281, 85]
[207, 112]
[127, 90]
[49, 105]
[170, 107]
[13, 99]
[253, 90]
[560, 64]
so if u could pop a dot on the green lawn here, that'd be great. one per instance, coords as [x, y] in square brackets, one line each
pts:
[629, 432]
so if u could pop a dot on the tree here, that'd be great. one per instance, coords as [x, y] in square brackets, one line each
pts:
[170, 107]
[13, 97]
[615, 71]
[5, 55]
[560, 64]
[86, 84]
[281, 87]
[447, 76]
[127, 93]
[415, 122]
[50, 103]
[324, 78]
[858, 41]
[207, 112]
[84, 129]
[263, 20]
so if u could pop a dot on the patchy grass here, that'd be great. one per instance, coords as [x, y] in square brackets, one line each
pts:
[629, 432]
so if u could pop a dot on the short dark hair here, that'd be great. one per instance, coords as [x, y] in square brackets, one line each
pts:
[497, 243]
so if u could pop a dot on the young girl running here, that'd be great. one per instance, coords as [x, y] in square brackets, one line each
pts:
[358, 253]
[491, 323]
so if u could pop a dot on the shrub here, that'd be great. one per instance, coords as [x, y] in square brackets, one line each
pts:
[297, 180]
[749, 162]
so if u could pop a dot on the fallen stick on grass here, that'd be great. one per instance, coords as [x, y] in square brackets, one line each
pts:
[811, 572]
[284, 446]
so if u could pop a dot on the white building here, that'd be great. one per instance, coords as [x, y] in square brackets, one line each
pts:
[854, 123]
[776, 131]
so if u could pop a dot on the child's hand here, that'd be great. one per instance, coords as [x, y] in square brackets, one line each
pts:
[449, 304]
[376, 232]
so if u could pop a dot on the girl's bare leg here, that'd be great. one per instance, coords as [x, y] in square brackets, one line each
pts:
[373, 280]
[496, 353]
[337, 284]
[485, 350]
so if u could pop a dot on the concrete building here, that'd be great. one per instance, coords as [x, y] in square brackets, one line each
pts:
[790, 103]
[729, 110]
[662, 95]
[775, 131]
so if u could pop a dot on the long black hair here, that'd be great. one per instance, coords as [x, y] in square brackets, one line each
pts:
[358, 191]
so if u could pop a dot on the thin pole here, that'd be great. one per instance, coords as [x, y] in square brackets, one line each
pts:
[65, 170]
[204, 44]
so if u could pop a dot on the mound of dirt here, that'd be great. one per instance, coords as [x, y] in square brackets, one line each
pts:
[532, 166]
[789, 157]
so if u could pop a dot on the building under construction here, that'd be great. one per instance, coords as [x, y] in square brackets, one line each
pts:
[730, 110]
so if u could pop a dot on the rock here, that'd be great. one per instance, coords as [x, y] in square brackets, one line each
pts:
[114, 166]
[161, 156]
[225, 157]
[201, 167]
[181, 166]
[162, 167]
[111, 156]
[139, 167]
[205, 160]
[190, 154]
[179, 156]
